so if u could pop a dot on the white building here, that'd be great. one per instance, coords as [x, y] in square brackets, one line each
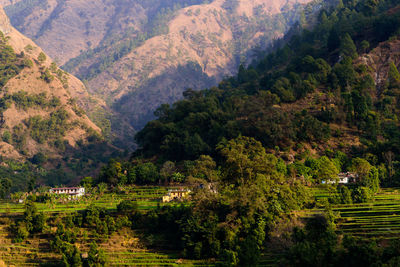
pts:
[347, 177]
[71, 191]
[344, 178]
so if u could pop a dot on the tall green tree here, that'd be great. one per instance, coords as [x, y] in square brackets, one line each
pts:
[347, 47]
[327, 170]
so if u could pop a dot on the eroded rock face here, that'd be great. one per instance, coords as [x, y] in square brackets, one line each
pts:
[379, 60]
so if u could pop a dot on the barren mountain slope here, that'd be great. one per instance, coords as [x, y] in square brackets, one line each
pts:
[39, 110]
[205, 40]
[139, 54]
[8, 2]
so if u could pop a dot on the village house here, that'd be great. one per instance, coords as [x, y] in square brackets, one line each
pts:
[347, 177]
[73, 192]
[344, 178]
[176, 195]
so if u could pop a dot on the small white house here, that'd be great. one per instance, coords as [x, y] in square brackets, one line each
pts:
[71, 191]
[344, 178]
[347, 177]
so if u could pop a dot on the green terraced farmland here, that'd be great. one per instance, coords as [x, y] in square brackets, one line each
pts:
[379, 218]
[145, 258]
[146, 197]
[119, 249]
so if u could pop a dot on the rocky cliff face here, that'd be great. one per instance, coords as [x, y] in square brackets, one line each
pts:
[379, 59]
[139, 54]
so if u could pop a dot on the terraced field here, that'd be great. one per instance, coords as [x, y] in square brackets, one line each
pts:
[379, 218]
[145, 258]
[146, 197]
[123, 248]
[35, 252]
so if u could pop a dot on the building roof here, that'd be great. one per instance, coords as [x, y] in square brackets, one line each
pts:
[66, 188]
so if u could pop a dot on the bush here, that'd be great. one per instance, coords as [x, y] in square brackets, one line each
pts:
[345, 195]
[46, 76]
[6, 137]
[362, 194]
[41, 58]
[21, 233]
[39, 158]
[127, 206]
[146, 173]
[96, 256]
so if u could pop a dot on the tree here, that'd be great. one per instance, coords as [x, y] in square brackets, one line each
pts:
[146, 173]
[362, 194]
[369, 6]
[347, 47]
[87, 182]
[5, 187]
[245, 157]
[167, 170]
[204, 168]
[41, 58]
[361, 167]
[345, 195]
[96, 256]
[111, 174]
[102, 188]
[127, 206]
[393, 77]
[333, 40]
[327, 170]
[39, 158]
[364, 46]
[315, 245]
[71, 255]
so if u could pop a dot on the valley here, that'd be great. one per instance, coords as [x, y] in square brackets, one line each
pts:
[275, 139]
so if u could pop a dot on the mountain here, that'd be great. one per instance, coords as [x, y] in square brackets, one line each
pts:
[256, 161]
[44, 130]
[325, 105]
[36, 94]
[332, 88]
[137, 55]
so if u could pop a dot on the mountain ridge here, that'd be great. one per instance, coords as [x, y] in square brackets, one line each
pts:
[132, 57]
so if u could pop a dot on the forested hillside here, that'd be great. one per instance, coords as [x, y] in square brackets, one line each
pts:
[329, 88]
[325, 102]
[137, 55]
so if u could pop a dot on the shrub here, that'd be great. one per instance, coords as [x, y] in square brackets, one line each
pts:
[362, 194]
[6, 137]
[39, 158]
[127, 206]
[41, 58]
[21, 233]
